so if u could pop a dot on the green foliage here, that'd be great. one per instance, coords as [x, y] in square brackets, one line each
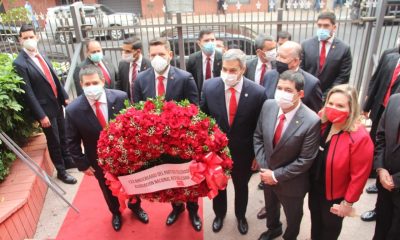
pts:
[15, 15]
[15, 119]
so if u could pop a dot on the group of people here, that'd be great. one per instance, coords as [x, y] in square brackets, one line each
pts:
[288, 113]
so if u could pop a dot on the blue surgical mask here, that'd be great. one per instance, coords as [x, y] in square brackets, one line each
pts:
[96, 57]
[93, 92]
[209, 48]
[323, 34]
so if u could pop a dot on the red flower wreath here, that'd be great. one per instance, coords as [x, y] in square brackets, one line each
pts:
[156, 132]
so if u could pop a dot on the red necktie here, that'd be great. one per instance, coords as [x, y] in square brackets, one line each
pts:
[208, 69]
[100, 115]
[232, 106]
[161, 88]
[322, 56]
[134, 75]
[263, 69]
[279, 128]
[394, 77]
[47, 73]
[105, 74]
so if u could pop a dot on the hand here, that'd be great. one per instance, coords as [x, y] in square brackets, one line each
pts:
[266, 177]
[342, 210]
[386, 179]
[365, 114]
[66, 101]
[89, 172]
[45, 122]
[254, 165]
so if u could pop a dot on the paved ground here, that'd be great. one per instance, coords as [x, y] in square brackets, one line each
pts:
[55, 211]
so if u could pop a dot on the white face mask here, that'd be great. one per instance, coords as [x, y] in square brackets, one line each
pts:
[271, 55]
[127, 57]
[230, 79]
[93, 92]
[159, 64]
[30, 45]
[284, 99]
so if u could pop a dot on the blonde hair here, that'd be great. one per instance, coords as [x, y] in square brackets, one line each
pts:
[350, 92]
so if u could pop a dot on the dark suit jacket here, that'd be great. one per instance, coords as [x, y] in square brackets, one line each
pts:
[380, 82]
[82, 125]
[294, 154]
[110, 68]
[123, 72]
[387, 150]
[240, 134]
[180, 86]
[251, 66]
[337, 67]
[312, 89]
[195, 67]
[39, 95]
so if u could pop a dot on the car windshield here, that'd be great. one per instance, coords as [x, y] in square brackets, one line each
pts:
[106, 10]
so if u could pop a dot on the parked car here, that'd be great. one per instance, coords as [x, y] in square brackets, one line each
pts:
[59, 22]
[8, 33]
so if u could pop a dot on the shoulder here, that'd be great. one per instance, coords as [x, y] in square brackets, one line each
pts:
[180, 72]
[310, 114]
[74, 104]
[193, 56]
[254, 87]
[306, 42]
[360, 134]
[272, 73]
[251, 61]
[20, 60]
[117, 93]
[211, 83]
[144, 73]
[269, 104]
[340, 43]
[309, 77]
[123, 64]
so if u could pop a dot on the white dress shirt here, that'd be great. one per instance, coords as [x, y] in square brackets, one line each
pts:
[138, 64]
[257, 74]
[103, 105]
[238, 90]
[34, 58]
[164, 81]
[204, 59]
[328, 45]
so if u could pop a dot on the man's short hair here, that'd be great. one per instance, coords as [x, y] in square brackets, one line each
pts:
[135, 42]
[284, 35]
[260, 39]
[328, 15]
[90, 41]
[235, 54]
[204, 32]
[90, 70]
[160, 41]
[26, 28]
[295, 77]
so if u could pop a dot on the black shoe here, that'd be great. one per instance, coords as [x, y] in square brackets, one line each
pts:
[243, 227]
[261, 186]
[195, 220]
[262, 213]
[372, 189]
[116, 222]
[66, 178]
[218, 223]
[140, 214]
[271, 234]
[173, 216]
[369, 216]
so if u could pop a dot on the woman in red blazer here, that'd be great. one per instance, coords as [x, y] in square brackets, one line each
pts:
[342, 166]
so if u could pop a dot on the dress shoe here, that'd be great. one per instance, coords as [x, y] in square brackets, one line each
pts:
[271, 234]
[243, 227]
[66, 178]
[195, 220]
[116, 222]
[372, 189]
[369, 216]
[218, 223]
[262, 213]
[173, 216]
[261, 186]
[140, 214]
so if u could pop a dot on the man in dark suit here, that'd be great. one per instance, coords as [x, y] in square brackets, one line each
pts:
[325, 56]
[383, 83]
[256, 68]
[235, 102]
[285, 144]
[132, 63]
[86, 117]
[174, 84]
[45, 97]
[206, 63]
[283, 36]
[387, 165]
[95, 56]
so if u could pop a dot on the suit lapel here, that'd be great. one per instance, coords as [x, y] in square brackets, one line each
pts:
[332, 51]
[243, 101]
[199, 67]
[170, 83]
[145, 65]
[90, 115]
[111, 104]
[30, 61]
[221, 103]
[270, 84]
[396, 125]
[217, 64]
[270, 126]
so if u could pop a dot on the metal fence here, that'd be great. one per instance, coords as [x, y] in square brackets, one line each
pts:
[357, 24]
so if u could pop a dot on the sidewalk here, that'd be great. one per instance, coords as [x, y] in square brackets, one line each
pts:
[55, 210]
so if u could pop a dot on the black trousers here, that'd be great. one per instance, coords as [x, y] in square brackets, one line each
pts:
[192, 207]
[56, 142]
[293, 208]
[240, 181]
[324, 224]
[387, 214]
[111, 200]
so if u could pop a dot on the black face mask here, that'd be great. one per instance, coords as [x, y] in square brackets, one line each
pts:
[281, 67]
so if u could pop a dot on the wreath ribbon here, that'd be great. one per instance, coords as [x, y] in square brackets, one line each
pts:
[118, 190]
